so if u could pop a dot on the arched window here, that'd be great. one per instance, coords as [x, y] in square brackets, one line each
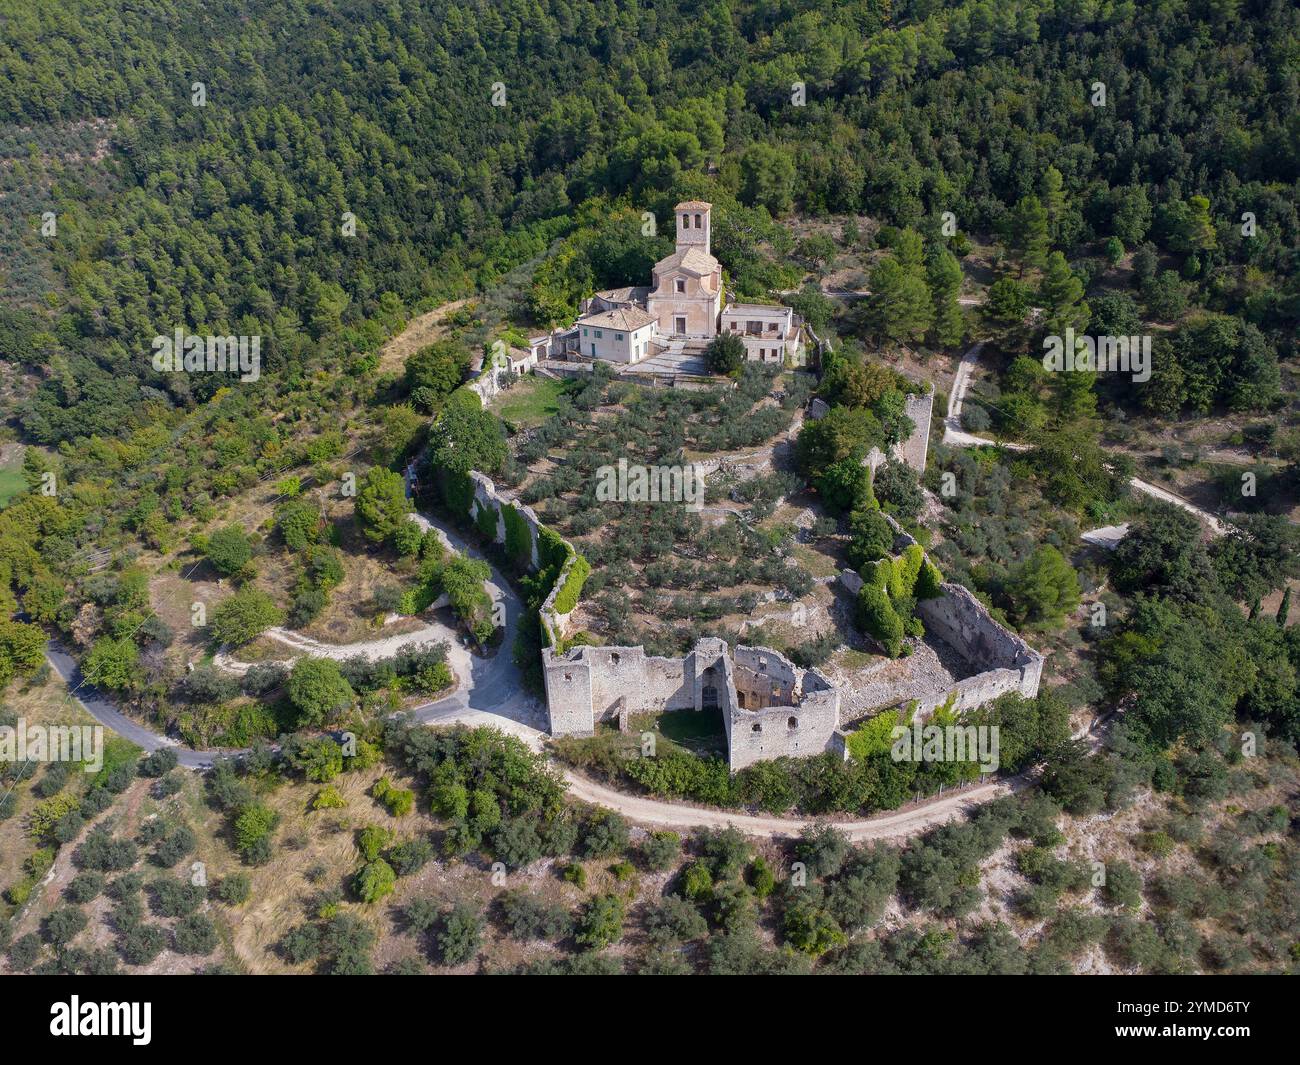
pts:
[698, 223]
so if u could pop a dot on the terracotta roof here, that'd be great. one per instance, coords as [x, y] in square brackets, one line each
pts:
[627, 294]
[691, 259]
[627, 318]
[693, 205]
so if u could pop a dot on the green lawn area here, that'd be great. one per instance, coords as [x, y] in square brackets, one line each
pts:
[700, 732]
[11, 478]
[530, 402]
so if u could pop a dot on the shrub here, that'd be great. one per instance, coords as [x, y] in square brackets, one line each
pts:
[929, 582]
[263, 678]
[411, 856]
[407, 539]
[725, 353]
[204, 684]
[301, 944]
[100, 851]
[24, 951]
[374, 881]
[174, 847]
[243, 617]
[372, 840]
[234, 889]
[517, 843]
[229, 550]
[177, 898]
[46, 816]
[398, 801]
[112, 663]
[64, 925]
[601, 922]
[85, 886]
[319, 759]
[975, 418]
[461, 934]
[876, 616]
[872, 537]
[822, 849]
[1123, 887]
[328, 799]
[605, 834]
[761, 878]
[253, 828]
[672, 921]
[318, 690]
[143, 943]
[195, 934]
[660, 850]
[526, 917]
[808, 926]
[697, 882]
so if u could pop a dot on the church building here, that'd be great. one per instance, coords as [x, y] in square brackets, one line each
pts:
[679, 313]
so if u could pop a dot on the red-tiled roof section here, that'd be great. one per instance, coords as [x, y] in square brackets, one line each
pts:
[628, 318]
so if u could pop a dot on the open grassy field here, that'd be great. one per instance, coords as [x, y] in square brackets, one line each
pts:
[530, 401]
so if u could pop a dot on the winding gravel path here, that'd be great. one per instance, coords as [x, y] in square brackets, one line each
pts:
[955, 436]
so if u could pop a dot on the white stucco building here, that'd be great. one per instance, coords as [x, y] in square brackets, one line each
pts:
[771, 333]
[619, 335]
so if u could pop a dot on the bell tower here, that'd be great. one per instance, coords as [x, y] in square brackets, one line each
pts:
[693, 225]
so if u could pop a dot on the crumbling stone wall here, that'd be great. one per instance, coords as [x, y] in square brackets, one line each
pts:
[591, 684]
[916, 447]
[770, 707]
[490, 500]
[914, 450]
[764, 678]
[487, 497]
[799, 716]
[961, 620]
[1001, 660]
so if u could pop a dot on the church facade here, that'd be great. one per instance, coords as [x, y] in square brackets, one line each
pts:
[686, 296]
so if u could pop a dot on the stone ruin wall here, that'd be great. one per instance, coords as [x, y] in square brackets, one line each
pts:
[770, 707]
[964, 623]
[797, 716]
[487, 497]
[914, 451]
[591, 684]
[916, 448]
[961, 620]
